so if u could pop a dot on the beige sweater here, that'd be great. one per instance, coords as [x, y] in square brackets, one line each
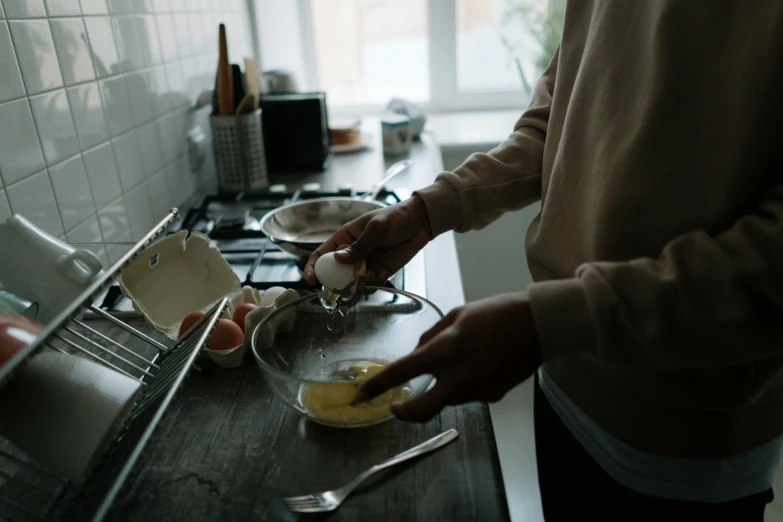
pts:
[655, 143]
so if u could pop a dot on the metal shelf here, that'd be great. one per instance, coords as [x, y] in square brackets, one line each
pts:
[28, 492]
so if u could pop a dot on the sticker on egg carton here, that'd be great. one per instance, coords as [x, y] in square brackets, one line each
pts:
[178, 275]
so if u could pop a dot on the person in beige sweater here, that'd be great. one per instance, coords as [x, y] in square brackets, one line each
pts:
[655, 322]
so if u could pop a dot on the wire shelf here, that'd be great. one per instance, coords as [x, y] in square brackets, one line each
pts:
[31, 493]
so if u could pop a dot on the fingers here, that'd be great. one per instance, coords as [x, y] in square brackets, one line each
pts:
[374, 233]
[405, 369]
[309, 271]
[424, 408]
[441, 325]
[340, 237]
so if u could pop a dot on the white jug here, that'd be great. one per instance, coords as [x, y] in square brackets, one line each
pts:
[43, 269]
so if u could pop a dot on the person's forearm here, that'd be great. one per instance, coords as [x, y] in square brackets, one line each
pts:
[421, 209]
[506, 178]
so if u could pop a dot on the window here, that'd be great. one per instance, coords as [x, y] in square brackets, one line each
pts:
[494, 39]
[445, 54]
[368, 51]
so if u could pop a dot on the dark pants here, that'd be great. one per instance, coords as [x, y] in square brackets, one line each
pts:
[574, 487]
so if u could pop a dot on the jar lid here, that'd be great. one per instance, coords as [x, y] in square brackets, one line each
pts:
[394, 119]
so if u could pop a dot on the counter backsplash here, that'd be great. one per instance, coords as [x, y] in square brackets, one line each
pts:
[95, 104]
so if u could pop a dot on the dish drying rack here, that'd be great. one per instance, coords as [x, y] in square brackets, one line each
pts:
[29, 492]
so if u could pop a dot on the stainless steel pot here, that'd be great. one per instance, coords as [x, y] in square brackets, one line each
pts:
[300, 228]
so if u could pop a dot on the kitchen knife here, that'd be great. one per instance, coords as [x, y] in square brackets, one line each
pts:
[238, 82]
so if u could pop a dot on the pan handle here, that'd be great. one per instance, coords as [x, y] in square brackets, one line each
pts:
[392, 171]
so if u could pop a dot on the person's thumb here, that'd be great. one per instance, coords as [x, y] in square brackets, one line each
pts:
[372, 236]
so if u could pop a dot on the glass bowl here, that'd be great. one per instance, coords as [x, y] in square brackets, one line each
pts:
[314, 359]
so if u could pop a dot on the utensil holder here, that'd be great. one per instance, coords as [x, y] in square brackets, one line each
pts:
[239, 152]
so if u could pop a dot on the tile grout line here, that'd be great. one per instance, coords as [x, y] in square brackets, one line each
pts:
[73, 122]
[148, 68]
[38, 137]
[111, 139]
[25, 97]
[145, 70]
[121, 197]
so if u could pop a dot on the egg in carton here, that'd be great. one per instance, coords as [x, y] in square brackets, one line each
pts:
[267, 302]
[180, 274]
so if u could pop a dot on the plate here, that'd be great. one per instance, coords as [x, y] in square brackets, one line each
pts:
[353, 147]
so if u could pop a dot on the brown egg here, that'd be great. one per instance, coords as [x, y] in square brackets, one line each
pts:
[189, 321]
[240, 313]
[227, 335]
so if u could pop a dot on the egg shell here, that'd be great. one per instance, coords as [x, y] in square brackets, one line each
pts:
[189, 321]
[271, 295]
[240, 313]
[332, 274]
[226, 335]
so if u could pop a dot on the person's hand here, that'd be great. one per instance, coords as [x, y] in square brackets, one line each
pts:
[386, 239]
[477, 352]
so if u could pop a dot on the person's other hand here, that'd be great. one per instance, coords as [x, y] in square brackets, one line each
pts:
[386, 239]
[478, 352]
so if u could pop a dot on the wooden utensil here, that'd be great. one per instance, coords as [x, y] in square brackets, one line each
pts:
[251, 79]
[225, 87]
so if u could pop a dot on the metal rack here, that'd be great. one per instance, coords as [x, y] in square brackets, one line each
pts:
[28, 492]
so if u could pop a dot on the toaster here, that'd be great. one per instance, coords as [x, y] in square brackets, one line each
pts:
[296, 132]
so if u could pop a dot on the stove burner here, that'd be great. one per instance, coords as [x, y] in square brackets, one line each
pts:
[233, 224]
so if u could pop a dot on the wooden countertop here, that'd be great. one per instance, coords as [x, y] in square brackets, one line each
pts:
[228, 448]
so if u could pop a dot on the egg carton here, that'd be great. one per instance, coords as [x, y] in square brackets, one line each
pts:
[267, 302]
[181, 274]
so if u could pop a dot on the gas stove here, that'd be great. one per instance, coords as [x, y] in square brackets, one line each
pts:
[233, 225]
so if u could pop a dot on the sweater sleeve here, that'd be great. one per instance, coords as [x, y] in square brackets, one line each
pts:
[506, 178]
[706, 302]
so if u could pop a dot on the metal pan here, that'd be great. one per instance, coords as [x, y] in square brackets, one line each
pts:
[300, 228]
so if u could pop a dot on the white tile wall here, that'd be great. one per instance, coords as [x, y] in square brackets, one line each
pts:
[72, 192]
[34, 199]
[113, 221]
[116, 102]
[63, 7]
[103, 46]
[73, 51]
[24, 8]
[89, 232]
[52, 115]
[99, 93]
[11, 85]
[88, 116]
[128, 155]
[5, 210]
[103, 175]
[152, 159]
[140, 97]
[94, 7]
[20, 150]
[35, 51]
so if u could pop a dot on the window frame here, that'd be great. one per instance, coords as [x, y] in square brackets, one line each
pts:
[444, 92]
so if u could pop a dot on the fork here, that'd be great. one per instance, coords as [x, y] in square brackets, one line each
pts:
[331, 500]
